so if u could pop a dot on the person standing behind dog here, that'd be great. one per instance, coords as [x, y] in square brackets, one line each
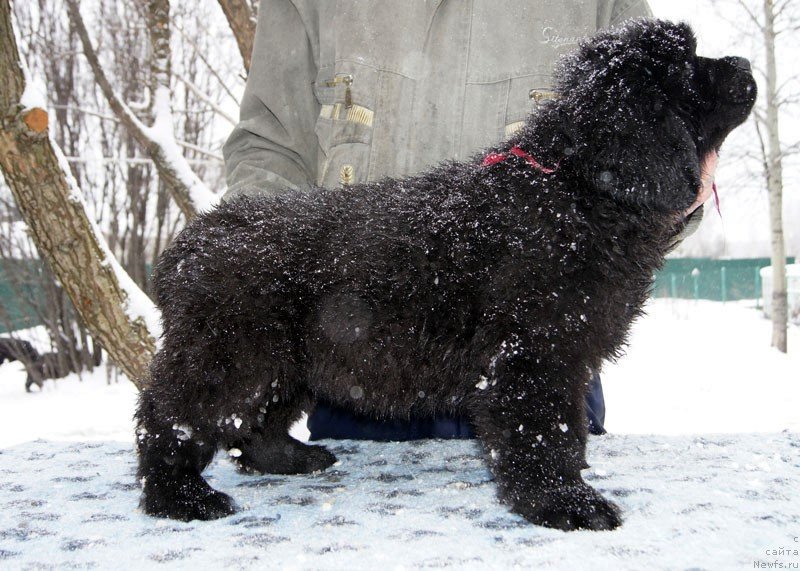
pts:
[350, 91]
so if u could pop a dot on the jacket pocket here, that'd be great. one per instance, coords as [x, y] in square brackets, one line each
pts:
[345, 165]
[497, 110]
[347, 103]
[345, 125]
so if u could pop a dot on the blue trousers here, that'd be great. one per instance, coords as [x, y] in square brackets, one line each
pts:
[333, 422]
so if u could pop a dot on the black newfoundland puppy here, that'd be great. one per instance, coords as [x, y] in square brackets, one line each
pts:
[487, 288]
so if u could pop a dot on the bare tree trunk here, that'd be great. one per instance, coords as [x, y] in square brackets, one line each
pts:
[187, 189]
[159, 32]
[54, 211]
[774, 173]
[242, 20]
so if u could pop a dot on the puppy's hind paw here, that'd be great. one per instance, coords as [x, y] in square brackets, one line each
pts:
[286, 456]
[319, 458]
[570, 508]
[186, 502]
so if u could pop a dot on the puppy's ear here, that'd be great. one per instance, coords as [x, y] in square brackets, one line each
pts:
[652, 164]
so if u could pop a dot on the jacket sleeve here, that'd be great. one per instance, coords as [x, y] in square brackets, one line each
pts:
[274, 146]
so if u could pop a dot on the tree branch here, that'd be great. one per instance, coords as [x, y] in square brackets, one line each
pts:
[187, 189]
[205, 98]
[743, 5]
[201, 56]
[242, 20]
[202, 151]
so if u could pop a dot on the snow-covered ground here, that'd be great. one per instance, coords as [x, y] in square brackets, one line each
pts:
[703, 457]
[704, 367]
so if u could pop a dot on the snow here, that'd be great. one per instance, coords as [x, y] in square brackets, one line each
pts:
[34, 96]
[702, 457]
[162, 133]
[407, 506]
[688, 358]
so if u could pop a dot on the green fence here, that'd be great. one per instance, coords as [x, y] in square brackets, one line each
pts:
[704, 278]
[16, 296]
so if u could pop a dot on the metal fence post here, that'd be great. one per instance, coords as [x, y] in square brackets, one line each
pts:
[757, 287]
[724, 278]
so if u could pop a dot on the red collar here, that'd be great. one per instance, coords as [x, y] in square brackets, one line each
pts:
[494, 158]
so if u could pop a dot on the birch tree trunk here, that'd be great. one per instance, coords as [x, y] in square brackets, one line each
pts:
[242, 20]
[774, 173]
[116, 312]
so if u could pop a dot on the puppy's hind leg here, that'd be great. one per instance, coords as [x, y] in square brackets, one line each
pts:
[269, 449]
[172, 455]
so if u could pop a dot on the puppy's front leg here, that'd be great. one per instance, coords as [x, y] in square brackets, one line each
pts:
[531, 418]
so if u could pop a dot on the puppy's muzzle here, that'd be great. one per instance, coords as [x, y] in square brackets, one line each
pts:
[738, 86]
[740, 63]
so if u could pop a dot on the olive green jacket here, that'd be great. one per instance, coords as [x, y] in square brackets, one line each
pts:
[346, 91]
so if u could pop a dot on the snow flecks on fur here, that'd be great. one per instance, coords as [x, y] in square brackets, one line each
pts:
[182, 432]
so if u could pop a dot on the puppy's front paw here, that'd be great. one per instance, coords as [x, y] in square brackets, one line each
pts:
[570, 508]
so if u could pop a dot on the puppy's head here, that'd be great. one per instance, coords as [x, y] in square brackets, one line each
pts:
[645, 110]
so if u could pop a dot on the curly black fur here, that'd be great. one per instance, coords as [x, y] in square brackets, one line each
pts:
[487, 291]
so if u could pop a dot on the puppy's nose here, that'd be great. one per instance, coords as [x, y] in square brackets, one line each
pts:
[740, 63]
